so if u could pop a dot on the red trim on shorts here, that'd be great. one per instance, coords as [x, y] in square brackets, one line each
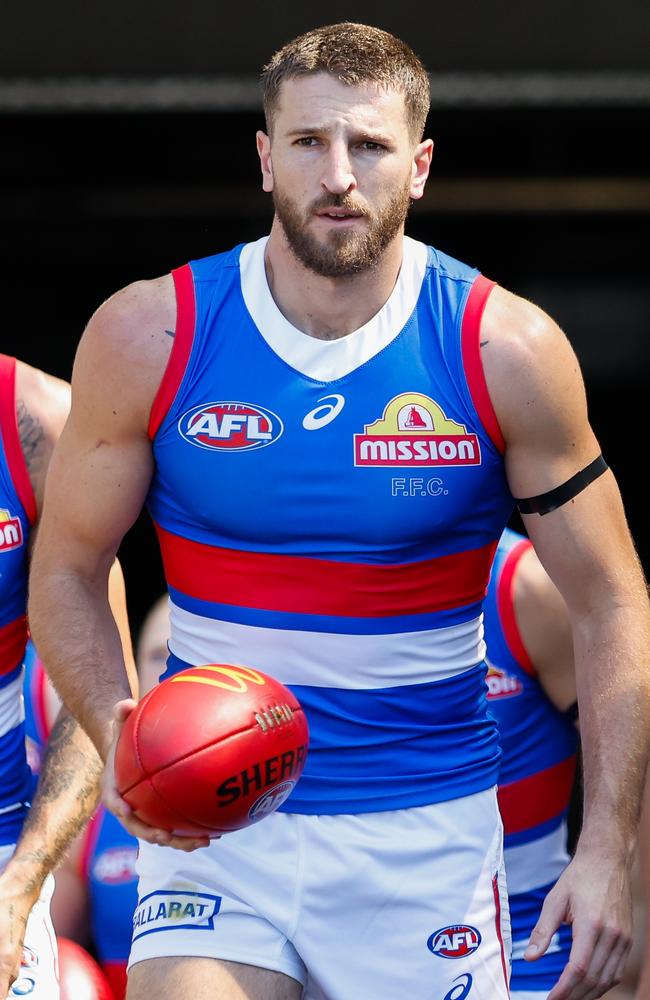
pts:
[506, 607]
[531, 801]
[11, 438]
[181, 348]
[89, 842]
[497, 904]
[304, 585]
[472, 361]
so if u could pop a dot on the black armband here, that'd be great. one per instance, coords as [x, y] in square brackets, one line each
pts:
[546, 502]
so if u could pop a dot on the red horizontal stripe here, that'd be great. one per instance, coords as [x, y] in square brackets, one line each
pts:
[13, 639]
[300, 584]
[528, 803]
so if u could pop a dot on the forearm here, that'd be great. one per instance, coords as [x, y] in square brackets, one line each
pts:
[77, 637]
[66, 796]
[614, 697]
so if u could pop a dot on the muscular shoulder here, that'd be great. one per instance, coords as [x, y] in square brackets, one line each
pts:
[42, 406]
[125, 348]
[524, 353]
[537, 390]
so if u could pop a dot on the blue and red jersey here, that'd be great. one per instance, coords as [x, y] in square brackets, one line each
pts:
[17, 515]
[539, 745]
[328, 512]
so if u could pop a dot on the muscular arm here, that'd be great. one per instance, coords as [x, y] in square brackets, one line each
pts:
[585, 546]
[98, 479]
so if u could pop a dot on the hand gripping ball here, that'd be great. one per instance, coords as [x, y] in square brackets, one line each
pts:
[211, 749]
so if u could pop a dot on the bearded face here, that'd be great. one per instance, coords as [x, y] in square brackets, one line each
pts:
[357, 236]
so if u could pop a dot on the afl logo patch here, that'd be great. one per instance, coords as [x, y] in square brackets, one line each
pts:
[271, 800]
[230, 426]
[455, 941]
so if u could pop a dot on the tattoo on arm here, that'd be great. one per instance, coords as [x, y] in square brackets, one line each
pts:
[171, 333]
[66, 796]
[483, 343]
[31, 433]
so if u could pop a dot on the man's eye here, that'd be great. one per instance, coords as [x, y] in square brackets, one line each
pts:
[306, 140]
[372, 147]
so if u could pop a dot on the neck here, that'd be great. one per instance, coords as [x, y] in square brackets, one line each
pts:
[328, 308]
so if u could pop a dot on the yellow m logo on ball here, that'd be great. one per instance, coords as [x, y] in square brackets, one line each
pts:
[233, 677]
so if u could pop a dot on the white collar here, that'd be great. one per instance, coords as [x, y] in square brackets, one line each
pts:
[329, 360]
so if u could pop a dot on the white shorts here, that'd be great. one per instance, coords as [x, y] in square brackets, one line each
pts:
[39, 971]
[388, 904]
[529, 995]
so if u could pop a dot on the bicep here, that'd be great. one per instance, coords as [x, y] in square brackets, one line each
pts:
[539, 398]
[95, 490]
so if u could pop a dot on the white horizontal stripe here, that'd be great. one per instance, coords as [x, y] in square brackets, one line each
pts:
[518, 951]
[327, 659]
[529, 866]
[327, 360]
[11, 808]
[12, 706]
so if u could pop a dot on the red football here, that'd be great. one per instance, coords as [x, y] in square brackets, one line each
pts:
[211, 749]
[80, 977]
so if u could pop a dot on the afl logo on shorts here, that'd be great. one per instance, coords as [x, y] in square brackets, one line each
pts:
[230, 426]
[455, 941]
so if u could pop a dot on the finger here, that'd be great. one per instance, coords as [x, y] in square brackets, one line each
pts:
[123, 709]
[613, 971]
[162, 838]
[571, 984]
[552, 915]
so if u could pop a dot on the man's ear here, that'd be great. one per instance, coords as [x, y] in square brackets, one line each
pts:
[264, 153]
[420, 168]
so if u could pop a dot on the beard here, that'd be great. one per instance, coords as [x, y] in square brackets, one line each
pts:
[345, 253]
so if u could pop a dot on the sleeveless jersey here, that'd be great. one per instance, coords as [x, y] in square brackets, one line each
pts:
[328, 512]
[17, 514]
[108, 868]
[539, 746]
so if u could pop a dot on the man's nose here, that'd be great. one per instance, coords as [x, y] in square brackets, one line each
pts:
[338, 175]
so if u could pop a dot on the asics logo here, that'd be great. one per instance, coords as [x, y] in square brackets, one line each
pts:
[329, 407]
[461, 990]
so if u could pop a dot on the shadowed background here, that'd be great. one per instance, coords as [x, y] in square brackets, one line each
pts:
[128, 148]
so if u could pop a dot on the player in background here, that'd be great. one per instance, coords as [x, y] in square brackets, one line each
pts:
[310, 382]
[33, 409]
[42, 705]
[532, 694]
[96, 891]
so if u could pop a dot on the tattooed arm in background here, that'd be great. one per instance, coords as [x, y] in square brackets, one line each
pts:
[68, 788]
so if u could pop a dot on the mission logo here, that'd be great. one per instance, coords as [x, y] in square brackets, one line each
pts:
[415, 431]
[230, 426]
[501, 684]
[11, 531]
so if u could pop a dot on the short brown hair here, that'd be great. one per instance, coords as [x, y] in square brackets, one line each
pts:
[354, 54]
